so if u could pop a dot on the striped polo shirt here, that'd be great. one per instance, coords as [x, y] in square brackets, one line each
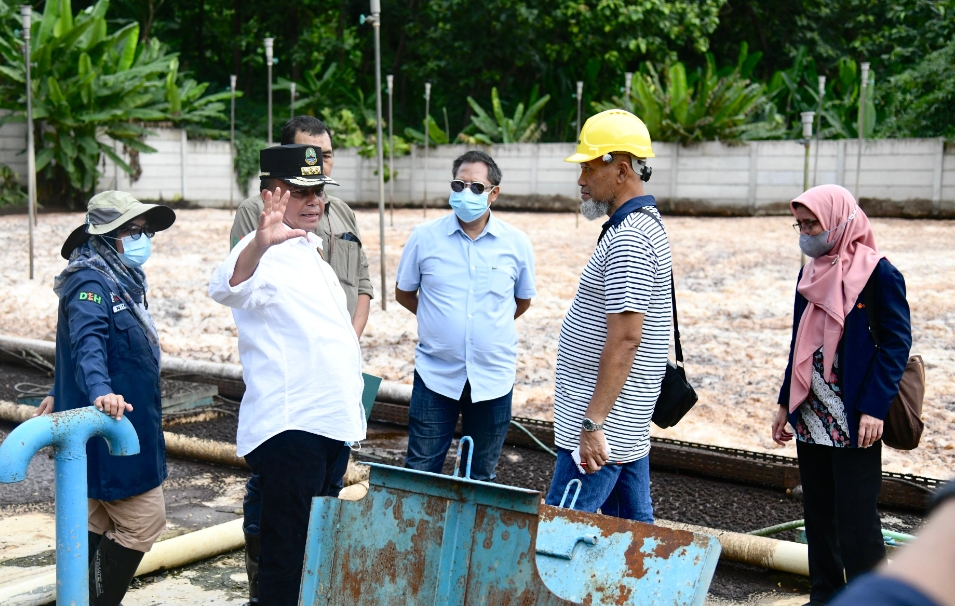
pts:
[628, 271]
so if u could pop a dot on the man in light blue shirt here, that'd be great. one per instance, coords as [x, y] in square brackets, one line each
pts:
[467, 277]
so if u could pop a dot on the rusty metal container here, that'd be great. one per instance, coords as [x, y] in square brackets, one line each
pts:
[422, 538]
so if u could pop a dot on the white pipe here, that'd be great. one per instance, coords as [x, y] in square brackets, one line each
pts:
[185, 447]
[171, 553]
[785, 556]
[390, 391]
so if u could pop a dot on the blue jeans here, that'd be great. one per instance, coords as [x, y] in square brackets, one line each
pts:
[252, 503]
[621, 491]
[431, 421]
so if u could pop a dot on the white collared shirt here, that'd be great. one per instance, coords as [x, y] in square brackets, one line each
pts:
[301, 361]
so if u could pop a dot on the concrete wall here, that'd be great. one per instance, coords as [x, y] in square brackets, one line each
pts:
[908, 177]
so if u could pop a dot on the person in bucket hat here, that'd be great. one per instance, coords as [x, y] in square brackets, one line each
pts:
[107, 355]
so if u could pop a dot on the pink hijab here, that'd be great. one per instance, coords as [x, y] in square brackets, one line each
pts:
[831, 283]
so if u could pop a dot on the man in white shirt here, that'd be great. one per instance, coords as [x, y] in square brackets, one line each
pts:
[300, 357]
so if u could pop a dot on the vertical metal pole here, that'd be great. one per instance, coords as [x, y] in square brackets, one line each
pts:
[627, 81]
[580, 94]
[26, 14]
[292, 104]
[822, 94]
[376, 23]
[391, 148]
[806, 118]
[427, 124]
[182, 164]
[862, 90]
[232, 80]
[268, 63]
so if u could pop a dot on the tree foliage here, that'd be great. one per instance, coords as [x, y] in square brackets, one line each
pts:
[497, 127]
[709, 104]
[90, 85]
[924, 96]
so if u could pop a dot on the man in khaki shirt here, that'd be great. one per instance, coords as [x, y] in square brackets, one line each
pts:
[338, 227]
[342, 249]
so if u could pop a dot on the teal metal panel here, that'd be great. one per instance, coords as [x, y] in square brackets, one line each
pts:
[588, 556]
[421, 538]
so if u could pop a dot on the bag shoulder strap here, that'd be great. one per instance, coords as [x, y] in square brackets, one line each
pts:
[677, 346]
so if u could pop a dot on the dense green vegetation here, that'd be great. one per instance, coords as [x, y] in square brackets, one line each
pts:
[90, 84]
[501, 70]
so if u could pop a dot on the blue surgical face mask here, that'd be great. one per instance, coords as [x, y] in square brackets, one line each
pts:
[467, 205]
[135, 252]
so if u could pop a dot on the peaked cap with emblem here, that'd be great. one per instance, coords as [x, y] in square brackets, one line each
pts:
[295, 163]
[109, 210]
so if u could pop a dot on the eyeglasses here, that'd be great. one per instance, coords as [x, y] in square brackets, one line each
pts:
[805, 226]
[136, 232]
[476, 187]
[307, 192]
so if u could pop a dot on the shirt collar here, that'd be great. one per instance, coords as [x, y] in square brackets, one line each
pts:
[492, 226]
[626, 208]
[310, 237]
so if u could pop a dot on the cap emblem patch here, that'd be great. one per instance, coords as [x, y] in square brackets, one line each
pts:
[310, 156]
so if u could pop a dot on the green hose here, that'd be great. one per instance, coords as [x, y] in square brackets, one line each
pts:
[771, 530]
[532, 436]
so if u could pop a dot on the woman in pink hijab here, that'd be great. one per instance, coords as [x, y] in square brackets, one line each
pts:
[839, 383]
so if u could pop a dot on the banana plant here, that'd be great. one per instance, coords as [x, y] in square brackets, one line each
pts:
[709, 104]
[90, 86]
[499, 128]
[315, 91]
[795, 90]
[436, 136]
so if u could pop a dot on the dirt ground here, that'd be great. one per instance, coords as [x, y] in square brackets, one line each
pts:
[735, 279]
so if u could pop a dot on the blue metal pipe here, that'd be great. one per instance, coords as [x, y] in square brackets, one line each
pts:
[68, 433]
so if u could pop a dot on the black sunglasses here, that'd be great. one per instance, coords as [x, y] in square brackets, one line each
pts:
[305, 192]
[476, 187]
[136, 232]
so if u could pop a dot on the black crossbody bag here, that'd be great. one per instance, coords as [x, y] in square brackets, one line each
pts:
[677, 396]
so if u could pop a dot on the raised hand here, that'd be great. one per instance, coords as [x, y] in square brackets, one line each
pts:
[271, 230]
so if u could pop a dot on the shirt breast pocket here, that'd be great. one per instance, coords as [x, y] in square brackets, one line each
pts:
[501, 282]
[345, 261]
[131, 338]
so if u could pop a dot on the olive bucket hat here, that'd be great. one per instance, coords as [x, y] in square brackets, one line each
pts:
[109, 210]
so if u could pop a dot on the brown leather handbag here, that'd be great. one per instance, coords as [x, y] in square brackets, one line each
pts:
[903, 423]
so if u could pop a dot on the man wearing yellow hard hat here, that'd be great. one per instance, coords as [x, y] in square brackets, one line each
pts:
[613, 344]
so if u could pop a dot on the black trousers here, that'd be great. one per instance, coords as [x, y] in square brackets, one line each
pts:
[840, 494]
[293, 467]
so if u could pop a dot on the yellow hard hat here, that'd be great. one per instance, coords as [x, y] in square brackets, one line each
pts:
[614, 130]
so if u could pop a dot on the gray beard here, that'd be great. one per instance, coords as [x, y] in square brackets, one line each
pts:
[593, 210]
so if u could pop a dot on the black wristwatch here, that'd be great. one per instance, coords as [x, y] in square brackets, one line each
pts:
[589, 425]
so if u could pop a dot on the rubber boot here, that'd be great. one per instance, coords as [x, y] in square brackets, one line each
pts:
[252, 549]
[93, 540]
[111, 572]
